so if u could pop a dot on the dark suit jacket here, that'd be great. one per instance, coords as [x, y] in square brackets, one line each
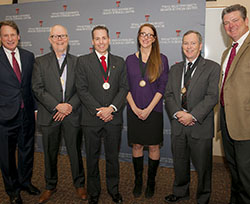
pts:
[12, 93]
[48, 90]
[202, 96]
[89, 81]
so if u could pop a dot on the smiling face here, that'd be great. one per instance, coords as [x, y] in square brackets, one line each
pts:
[101, 41]
[9, 37]
[59, 39]
[191, 46]
[146, 37]
[234, 25]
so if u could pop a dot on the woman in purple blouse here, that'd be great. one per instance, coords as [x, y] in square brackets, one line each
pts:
[147, 72]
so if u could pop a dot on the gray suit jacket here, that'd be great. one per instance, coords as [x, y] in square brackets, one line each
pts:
[202, 96]
[48, 91]
[89, 81]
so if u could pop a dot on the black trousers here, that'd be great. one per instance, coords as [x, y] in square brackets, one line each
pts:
[51, 142]
[237, 154]
[17, 133]
[111, 136]
[184, 148]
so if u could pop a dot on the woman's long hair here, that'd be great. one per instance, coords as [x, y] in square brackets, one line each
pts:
[154, 64]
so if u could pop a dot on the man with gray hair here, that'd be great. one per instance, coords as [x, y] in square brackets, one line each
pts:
[191, 94]
[235, 101]
[53, 83]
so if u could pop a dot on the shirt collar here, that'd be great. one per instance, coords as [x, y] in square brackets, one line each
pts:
[242, 39]
[9, 51]
[99, 55]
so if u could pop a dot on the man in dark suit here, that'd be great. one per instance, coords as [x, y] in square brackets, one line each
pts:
[17, 119]
[191, 94]
[53, 83]
[235, 101]
[102, 87]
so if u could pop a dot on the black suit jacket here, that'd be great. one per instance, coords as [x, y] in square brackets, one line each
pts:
[202, 96]
[89, 81]
[12, 92]
[48, 90]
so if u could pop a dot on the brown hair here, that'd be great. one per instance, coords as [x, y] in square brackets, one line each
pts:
[154, 65]
[194, 32]
[11, 24]
[235, 7]
[99, 27]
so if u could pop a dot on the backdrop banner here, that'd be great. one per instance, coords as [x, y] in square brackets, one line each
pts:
[172, 18]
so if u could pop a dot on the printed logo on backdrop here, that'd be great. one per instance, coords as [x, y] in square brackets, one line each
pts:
[172, 40]
[179, 7]
[39, 29]
[147, 17]
[87, 27]
[25, 44]
[91, 49]
[121, 41]
[17, 16]
[118, 4]
[64, 13]
[118, 10]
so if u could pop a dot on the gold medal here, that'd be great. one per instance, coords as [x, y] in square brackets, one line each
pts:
[183, 90]
[142, 83]
[62, 81]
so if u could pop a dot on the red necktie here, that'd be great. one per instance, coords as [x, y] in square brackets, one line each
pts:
[104, 64]
[230, 60]
[16, 67]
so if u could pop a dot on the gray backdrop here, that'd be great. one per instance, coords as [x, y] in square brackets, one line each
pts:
[172, 18]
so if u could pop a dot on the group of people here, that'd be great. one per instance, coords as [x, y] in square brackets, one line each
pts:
[73, 97]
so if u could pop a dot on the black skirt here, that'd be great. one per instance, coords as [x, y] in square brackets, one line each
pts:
[145, 132]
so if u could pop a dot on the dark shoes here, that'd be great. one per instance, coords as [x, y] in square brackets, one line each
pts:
[93, 200]
[82, 193]
[46, 195]
[174, 199]
[32, 190]
[16, 199]
[117, 198]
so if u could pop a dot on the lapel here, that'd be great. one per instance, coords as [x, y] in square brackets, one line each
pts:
[178, 80]
[112, 67]
[197, 73]
[70, 74]
[23, 63]
[242, 49]
[4, 60]
[53, 66]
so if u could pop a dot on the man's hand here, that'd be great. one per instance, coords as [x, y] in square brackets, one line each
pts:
[105, 113]
[185, 118]
[64, 108]
[59, 116]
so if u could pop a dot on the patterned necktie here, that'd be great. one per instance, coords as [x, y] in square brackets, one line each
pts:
[187, 78]
[230, 60]
[104, 64]
[16, 67]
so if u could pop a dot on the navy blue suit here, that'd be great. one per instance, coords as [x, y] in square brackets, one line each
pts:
[17, 125]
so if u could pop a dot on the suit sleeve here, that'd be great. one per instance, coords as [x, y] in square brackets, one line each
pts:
[205, 106]
[120, 97]
[170, 101]
[41, 94]
[82, 87]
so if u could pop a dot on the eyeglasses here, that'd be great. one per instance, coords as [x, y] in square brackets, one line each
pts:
[149, 35]
[56, 37]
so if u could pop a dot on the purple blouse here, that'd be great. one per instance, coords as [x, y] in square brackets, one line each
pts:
[142, 96]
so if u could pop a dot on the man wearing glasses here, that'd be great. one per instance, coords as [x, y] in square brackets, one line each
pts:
[58, 111]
